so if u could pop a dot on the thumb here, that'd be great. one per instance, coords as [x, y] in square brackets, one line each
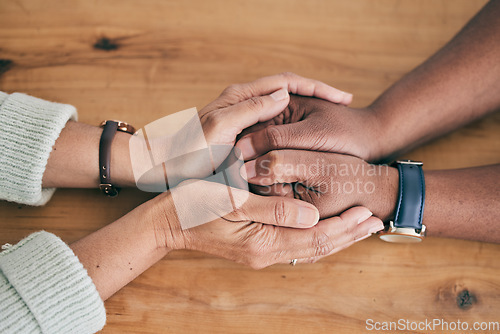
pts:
[275, 137]
[233, 119]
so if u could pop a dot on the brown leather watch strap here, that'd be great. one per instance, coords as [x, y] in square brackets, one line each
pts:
[108, 133]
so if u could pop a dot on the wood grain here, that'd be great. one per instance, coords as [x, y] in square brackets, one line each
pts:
[140, 60]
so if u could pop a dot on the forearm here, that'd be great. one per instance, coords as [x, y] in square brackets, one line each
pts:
[463, 203]
[119, 252]
[460, 83]
[74, 160]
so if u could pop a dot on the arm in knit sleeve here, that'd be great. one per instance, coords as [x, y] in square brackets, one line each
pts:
[43, 286]
[30, 127]
[45, 289]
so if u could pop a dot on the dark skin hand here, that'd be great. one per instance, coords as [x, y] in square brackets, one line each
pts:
[457, 85]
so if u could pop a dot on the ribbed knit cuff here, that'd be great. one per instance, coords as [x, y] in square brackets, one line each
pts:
[47, 289]
[29, 129]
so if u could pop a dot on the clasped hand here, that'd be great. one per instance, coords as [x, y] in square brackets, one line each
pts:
[280, 225]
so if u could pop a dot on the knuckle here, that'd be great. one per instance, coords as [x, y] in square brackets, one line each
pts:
[348, 230]
[254, 258]
[213, 120]
[275, 160]
[233, 94]
[255, 249]
[280, 212]
[275, 138]
[231, 89]
[255, 103]
[288, 75]
[240, 213]
[322, 244]
[312, 260]
[271, 165]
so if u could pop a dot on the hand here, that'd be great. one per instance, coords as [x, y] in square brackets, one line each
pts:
[332, 182]
[317, 125]
[257, 233]
[238, 107]
[243, 105]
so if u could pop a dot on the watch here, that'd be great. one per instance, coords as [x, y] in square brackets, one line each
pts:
[108, 133]
[407, 226]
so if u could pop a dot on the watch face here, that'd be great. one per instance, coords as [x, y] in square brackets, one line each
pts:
[400, 238]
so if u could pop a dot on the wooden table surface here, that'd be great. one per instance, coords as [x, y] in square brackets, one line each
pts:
[140, 60]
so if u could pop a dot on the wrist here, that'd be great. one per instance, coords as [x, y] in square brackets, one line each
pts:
[392, 131]
[119, 252]
[121, 166]
[164, 224]
[376, 129]
[382, 201]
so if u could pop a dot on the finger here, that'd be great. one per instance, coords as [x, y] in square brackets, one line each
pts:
[357, 214]
[256, 127]
[275, 210]
[251, 111]
[368, 228]
[327, 237]
[279, 189]
[293, 83]
[282, 166]
[286, 136]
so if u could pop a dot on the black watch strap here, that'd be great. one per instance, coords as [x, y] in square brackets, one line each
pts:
[411, 198]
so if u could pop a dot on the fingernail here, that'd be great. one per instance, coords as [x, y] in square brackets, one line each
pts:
[246, 147]
[307, 216]
[348, 98]
[375, 228]
[280, 95]
[364, 217]
[251, 171]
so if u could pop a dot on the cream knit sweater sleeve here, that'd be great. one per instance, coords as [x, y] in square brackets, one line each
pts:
[43, 286]
[29, 129]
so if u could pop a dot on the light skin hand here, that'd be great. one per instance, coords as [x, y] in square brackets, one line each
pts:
[261, 245]
[73, 162]
[257, 233]
[119, 252]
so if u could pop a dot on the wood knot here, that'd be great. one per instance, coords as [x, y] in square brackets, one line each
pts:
[106, 44]
[5, 65]
[465, 299]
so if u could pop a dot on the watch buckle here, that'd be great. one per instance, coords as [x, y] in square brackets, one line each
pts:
[108, 189]
[122, 126]
[407, 233]
[410, 162]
